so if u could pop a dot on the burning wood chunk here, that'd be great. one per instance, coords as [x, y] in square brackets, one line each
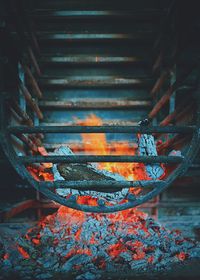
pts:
[83, 172]
[147, 147]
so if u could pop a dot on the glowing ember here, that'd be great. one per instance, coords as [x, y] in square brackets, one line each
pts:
[6, 256]
[131, 171]
[88, 245]
[24, 254]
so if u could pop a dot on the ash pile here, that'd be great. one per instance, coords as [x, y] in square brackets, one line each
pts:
[71, 244]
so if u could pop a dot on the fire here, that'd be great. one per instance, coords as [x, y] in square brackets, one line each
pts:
[131, 171]
[96, 143]
[127, 238]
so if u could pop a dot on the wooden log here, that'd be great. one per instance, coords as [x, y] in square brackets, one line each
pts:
[26, 140]
[186, 115]
[33, 82]
[36, 139]
[25, 117]
[80, 172]
[165, 98]
[34, 61]
[35, 43]
[159, 83]
[16, 209]
[158, 61]
[184, 107]
[31, 101]
[39, 167]
[85, 172]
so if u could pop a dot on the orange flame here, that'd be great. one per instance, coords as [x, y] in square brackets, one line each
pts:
[131, 171]
[96, 143]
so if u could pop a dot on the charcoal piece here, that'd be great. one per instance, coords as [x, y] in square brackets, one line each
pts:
[75, 260]
[138, 264]
[110, 243]
[127, 256]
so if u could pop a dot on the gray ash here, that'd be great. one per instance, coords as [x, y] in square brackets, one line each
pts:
[87, 246]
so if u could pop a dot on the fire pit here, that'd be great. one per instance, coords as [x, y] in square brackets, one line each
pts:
[90, 127]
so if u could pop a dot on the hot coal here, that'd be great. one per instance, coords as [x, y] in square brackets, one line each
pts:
[86, 246]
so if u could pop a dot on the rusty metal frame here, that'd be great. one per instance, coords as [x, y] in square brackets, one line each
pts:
[72, 201]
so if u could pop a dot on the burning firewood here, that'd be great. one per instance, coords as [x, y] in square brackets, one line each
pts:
[81, 172]
[76, 172]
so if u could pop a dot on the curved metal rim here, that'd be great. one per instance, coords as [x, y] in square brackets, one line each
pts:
[180, 170]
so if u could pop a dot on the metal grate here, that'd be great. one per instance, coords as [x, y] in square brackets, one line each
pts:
[32, 134]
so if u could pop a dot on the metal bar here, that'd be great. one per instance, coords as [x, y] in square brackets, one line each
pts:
[112, 122]
[99, 103]
[88, 59]
[95, 82]
[173, 142]
[87, 185]
[54, 205]
[101, 129]
[89, 158]
[26, 140]
[42, 36]
[71, 14]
